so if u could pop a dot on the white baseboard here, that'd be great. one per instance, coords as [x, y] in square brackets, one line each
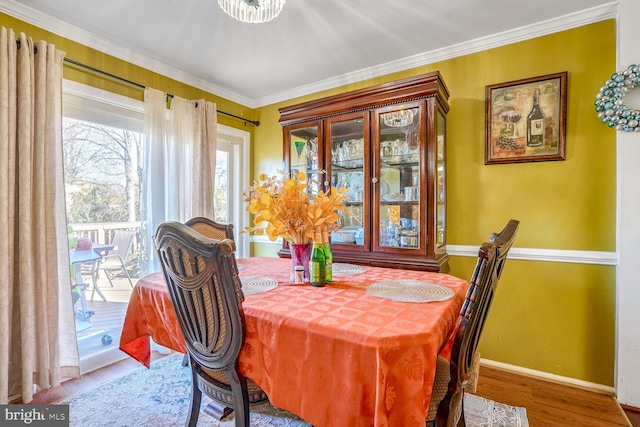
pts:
[558, 379]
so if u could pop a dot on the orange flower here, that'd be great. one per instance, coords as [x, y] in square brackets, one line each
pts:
[282, 208]
[394, 214]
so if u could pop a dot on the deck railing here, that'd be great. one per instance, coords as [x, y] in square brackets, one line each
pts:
[103, 232]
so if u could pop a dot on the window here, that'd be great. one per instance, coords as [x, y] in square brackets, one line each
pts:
[232, 177]
[118, 122]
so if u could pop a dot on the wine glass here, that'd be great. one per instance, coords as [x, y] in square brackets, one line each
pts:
[404, 120]
[414, 141]
[504, 116]
[514, 117]
[510, 117]
[299, 149]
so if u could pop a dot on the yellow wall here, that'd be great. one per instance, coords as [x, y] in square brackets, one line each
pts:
[547, 316]
[117, 67]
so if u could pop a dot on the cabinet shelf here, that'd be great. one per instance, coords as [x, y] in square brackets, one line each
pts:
[401, 160]
[400, 202]
[347, 165]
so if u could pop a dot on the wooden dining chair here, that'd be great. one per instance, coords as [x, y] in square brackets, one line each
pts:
[453, 378]
[210, 228]
[202, 279]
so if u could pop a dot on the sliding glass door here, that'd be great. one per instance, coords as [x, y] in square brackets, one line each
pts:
[103, 151]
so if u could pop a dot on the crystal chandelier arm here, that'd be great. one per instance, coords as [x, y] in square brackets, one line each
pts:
[252, 11]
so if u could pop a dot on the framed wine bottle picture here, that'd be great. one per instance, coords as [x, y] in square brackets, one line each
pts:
[526, 120]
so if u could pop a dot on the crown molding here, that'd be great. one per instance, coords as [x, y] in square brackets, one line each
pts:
[562, 23]
[64, 29]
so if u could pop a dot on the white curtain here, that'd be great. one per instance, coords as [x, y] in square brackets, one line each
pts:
[37, 328]
[179, 165]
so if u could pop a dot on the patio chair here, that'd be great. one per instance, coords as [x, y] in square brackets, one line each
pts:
[115, 260]
[202, 279]
[453, 378]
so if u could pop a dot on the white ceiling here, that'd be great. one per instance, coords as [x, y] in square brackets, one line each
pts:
[313, 45]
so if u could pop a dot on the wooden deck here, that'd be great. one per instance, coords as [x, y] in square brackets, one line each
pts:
[107, 317]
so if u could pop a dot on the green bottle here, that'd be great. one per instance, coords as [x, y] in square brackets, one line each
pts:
[328, 262]
[328, 256]
[317, 270]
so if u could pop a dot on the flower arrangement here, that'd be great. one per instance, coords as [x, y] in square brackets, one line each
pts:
[282, 208]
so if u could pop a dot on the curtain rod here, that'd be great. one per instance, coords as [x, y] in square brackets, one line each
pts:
[113, 76]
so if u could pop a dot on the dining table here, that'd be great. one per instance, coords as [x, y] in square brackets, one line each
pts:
[360, 351]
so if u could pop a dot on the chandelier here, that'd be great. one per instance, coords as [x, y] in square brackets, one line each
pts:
[252, 11]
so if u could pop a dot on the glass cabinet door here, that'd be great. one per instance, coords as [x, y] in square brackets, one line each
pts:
[399, 178]
[303, 156]
[349, 168]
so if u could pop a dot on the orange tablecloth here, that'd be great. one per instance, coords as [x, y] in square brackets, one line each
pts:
[336, 356]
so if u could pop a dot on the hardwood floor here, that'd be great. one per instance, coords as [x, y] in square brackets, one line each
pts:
[548, 404]
[88, 381]
[633, 414]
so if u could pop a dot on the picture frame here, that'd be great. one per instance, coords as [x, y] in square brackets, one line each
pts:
[526, 120]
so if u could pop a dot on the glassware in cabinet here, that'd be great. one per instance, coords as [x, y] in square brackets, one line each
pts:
[398, 176]
[303, 155]
[348, 169]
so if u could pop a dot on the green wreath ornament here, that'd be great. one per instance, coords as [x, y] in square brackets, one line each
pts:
[610, 100]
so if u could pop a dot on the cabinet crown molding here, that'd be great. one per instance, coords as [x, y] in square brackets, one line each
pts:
[409, 89]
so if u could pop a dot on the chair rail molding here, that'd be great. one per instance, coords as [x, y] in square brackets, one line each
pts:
[551, 255]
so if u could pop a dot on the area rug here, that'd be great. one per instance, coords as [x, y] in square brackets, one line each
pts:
[481, 412]
[159, 397]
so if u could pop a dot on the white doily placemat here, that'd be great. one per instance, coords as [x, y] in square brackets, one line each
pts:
[256, 285]
[338, 269]
[409, 291]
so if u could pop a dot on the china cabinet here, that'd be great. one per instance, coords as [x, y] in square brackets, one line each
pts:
[386, 145]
